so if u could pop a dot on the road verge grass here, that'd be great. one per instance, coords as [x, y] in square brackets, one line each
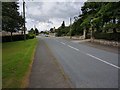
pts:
[17, 58]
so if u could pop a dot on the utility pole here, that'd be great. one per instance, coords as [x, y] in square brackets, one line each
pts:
[70, 29]
[35, 30]
[24, 19]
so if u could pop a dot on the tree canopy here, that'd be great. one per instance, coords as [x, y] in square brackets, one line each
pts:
[11, 19]
[102, 17]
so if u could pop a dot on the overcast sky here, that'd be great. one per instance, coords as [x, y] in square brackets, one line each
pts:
[45, 14]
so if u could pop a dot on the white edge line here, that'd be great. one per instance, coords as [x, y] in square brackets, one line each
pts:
[73, 47]
[102, 60]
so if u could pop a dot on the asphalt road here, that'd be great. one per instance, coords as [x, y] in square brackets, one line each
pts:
[46, 72]
[86, 67]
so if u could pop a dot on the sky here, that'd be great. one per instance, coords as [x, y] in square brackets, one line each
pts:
[46, 14]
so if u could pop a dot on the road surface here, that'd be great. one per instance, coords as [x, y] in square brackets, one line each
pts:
[86, 67]
[46, 71]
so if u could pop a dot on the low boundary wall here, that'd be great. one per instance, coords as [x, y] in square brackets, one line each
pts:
[106, 42]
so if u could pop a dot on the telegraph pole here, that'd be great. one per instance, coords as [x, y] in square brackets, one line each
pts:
[24, 19]
[70, 29]
[35, 30]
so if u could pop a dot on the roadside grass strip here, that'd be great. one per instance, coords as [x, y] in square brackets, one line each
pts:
[16, 59]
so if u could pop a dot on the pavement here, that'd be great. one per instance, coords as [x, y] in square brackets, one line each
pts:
[46, 72]
[84, 66]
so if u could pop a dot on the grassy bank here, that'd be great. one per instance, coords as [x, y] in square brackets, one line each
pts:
[16, 59]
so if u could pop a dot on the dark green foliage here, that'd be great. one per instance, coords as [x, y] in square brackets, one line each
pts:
[17, 37]
[103, 18]
[107, 36]
[59, 32]
[32, 31]
[62, 30]
[51, 30]
[63, 25]
[11, 20]
[76, 29]
[14, 38]
[31, 36]
[36, 31]
[44, 32]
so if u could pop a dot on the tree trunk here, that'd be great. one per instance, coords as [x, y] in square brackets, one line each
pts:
[84, 34]
[92, 31]
[11, 36]
[114, 22]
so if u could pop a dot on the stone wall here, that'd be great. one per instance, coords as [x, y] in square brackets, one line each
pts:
[106, 42]
[76, 37]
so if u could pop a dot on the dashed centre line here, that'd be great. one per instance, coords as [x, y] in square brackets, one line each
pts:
[62, 43]
[103, 61]
[91, 56]
[73, 47]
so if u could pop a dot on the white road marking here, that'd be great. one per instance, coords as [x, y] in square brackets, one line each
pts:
[62, 43]
[93, 56]
[73, 47]
[103, 61]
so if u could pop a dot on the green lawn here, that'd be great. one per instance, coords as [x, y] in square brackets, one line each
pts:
[16, 60]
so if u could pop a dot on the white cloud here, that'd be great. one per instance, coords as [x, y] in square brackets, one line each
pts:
[45, 15]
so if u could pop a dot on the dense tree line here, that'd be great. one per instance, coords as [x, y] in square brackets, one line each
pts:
[99, 17]
[34, 31]
[62, 30]
[12, 21]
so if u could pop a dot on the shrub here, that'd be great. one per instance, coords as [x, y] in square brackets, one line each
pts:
[107, 36]
[14, 38]
[17, 37]
[31, 36]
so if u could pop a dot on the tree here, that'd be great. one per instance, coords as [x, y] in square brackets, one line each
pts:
[101, 17]
[89, 11]
[11, 19]
[51, 30]
[61, 30]
[36, 31]
[106, 16]
[63, 25]
[32, 31]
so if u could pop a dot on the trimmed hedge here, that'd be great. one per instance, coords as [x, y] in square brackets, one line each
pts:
[30, 36]
[17, 37]
[107, 36]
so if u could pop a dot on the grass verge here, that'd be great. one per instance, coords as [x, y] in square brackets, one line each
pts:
[16, 62]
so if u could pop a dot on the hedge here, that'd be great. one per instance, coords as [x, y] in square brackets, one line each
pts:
[16, 37]
[107, 36]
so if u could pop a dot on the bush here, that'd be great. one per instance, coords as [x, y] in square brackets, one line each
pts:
[31, 36]
[14, 38]
[17, 37]
[107, 36]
